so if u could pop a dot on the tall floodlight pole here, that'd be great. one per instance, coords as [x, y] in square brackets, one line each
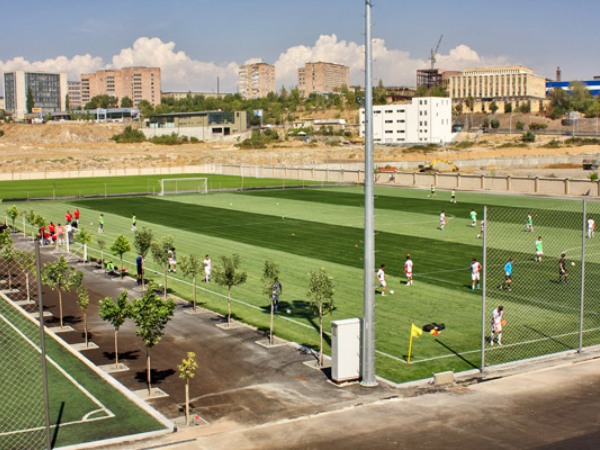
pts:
[368, 324]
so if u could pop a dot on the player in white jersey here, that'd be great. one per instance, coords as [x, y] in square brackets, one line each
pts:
[591, 227]
[408, 270]
[442, 220]
[475, 273]
[381, 279]
[207, 263]
[497, 324]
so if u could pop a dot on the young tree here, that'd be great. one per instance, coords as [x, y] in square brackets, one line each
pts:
[160, 254]
[119, 248]
[101, 246]
[151, 315]
[60, 276]
[115, 312]
[191, 266]
[142, 241]
[8, 253]
[29, 102]
[272, 288]
[494, 107]
[226, 275]
[83, 301]
[84, 237]
[320, 295]
[187, 371]
[26, 262]
[13, 212]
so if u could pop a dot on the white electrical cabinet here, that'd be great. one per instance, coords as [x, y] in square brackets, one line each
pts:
[345, 350]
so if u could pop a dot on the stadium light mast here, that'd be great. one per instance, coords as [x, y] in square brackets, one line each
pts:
[368, 323]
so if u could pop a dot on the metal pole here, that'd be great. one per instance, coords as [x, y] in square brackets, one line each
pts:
[43, 344]
[368, 378]
[483, 286]
[582, 298]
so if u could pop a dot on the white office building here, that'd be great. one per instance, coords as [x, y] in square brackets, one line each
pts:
[48, 90]
[427, 120]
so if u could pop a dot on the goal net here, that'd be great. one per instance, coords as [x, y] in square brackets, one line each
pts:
[169, 186]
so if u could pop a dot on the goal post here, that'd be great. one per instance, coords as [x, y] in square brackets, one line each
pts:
[196, 185]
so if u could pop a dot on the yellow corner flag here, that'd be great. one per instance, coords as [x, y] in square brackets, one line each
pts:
[415, 331]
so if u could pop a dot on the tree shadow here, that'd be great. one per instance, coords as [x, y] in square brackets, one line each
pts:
[129, 356]
[156, 376]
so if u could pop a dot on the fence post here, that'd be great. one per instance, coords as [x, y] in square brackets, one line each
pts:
[508, 183]
[567, 186]
[484, 285]
[582, 296]
[536, 184]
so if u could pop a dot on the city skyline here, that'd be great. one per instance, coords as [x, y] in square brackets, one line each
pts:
[197, 42]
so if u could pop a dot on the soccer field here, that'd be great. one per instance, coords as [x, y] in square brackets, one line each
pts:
[306, 229]
[82, 406]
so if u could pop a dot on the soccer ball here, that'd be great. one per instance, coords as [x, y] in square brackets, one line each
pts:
[478, 236]
[392, 292]
[289, 311]
[572, 263]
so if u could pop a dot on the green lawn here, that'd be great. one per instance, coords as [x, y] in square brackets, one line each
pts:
[117, 185]
[83, 407]
[306, 229]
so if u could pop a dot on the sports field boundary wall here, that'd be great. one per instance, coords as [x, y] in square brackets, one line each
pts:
[337, 173]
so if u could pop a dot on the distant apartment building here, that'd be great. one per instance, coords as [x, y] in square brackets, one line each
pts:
[180, 95]
[74, 88]
[426, 120]
[137, 83]
[593, 86]
[505, 84]
[322, 77]
[49, 91]
[256, 80]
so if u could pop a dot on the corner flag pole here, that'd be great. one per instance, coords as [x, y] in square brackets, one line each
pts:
[368, 323]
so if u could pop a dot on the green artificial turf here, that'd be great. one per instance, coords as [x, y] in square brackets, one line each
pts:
[305, 229]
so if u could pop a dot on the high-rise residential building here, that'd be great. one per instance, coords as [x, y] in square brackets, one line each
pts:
[322, 77]
[256, 80]
[74, 94]
[516, 85]
[137, 83]
[49, 91]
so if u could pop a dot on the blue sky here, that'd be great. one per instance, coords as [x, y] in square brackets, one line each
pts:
[196, 41]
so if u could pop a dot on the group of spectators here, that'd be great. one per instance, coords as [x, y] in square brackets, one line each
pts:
[59, 234]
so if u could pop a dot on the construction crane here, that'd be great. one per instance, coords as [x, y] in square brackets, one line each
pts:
[434, 52]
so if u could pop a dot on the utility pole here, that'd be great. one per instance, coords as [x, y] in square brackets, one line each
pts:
[368, 378]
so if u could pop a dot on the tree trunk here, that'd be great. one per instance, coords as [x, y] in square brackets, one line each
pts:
[85, 328]
[271, 324]
[187, 402]
[148, 377]
[321, 336]
[60, 308]
[9, 280]
[142, 278]
[122, 272]
[27, 286]
[165, 285]
[116, 350]
[195, 294]
[228, 306]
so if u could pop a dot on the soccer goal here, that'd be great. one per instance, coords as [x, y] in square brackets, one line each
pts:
[170, 186]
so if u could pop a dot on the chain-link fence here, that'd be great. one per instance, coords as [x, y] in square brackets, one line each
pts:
[542, 284]
[23, 415]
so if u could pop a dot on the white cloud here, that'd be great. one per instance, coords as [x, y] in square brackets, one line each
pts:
[180, 72]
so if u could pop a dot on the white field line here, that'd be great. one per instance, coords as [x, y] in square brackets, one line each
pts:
[109, 414]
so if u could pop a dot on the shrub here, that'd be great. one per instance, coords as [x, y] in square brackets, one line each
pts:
[128, 136]
[259, 140]
[520, 126]
[528, 137]
[593, 176]
[538, 126]
[495, 123]
[171, 139]
[552, 144]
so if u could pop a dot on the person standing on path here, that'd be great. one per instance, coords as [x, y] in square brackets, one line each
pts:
[139, 266]
[497, 324]
[277, 290]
